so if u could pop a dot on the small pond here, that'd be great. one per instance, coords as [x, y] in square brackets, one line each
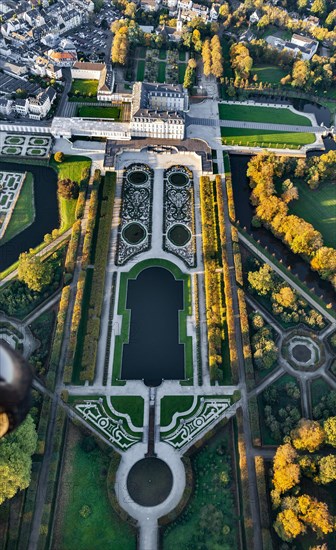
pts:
[154, 352]
[46, 212]
[150, 481]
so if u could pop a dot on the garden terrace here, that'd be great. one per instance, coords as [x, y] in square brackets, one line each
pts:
[179, 223]
[134, 235]
[158, 348]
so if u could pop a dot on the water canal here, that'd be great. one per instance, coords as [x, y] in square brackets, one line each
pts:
[46, 212]
[154, 353]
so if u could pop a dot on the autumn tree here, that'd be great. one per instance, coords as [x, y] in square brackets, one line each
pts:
[206, 57]
[319, 7]
[68, 189]
[59, 156]
[308, 435]
[327, 469]
[288, 526]
[300, 73]
[241, 60]
[329, 427]
[262, 281]
[216, 57]
[16, 450]
[189, 75]
[34, 272]
[286, 469]
[316, 515]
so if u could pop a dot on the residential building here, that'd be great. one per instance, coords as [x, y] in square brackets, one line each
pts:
[21, 106]
[5, 106]
[62, 59]
[40, 106]
[87, 71]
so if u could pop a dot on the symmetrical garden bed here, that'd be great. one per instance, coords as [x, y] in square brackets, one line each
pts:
[136, 212]
[10, 188]
[178, 223]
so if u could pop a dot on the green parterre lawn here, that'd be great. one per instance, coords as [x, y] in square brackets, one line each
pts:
[261, 114]
[171, 404]
[85, 483]
[210, 519]
[265, 138]
[88, 111]
[268, 73]
[161, 71]
[319, 208]
[85, 87]
[24, 211]
[132, 405]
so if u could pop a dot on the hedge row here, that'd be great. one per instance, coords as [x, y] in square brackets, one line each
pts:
[91, 221]
[237, 256]
[229, 189]
[80, 206]
[28, 509]
[13, 526]
[52, 482]
[254, 420]
[58, 338]
[43, 425]
[227, 284]
[111, 477]
[244, 325]
[75, 320]
[98, 282]
[248, 524]
[198, 330]
[262, 491]
[215, 310]
[71, 256]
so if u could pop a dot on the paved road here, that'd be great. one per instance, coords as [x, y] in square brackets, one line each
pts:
[253, 125]
[252, 480]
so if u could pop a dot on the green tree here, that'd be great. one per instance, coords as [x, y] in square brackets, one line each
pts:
[34, 272]
[16, 450]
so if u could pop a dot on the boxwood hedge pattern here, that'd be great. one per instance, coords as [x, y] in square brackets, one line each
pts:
[178, 218]
[137, 198]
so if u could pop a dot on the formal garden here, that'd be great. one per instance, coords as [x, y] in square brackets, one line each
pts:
[179, 222]
[134, 235]
[11, 185]
[13, 145]
[163, 66]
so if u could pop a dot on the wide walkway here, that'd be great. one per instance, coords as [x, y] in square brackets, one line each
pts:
[254, 125]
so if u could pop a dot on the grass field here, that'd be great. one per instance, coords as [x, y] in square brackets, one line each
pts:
[182, 55]
[24, 211]
[84, 483]
[319, 208]
[270, 115]
[161, 71]
[171, 404]
[99, 112]
[84, 87]
[162, 54]
[265, 138]
[268, 73]
[141, 70]
[132, 405]
[181, 71]
[210, 519]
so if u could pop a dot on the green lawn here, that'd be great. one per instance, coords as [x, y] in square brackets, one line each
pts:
[85, 484]
[261, 114]
[132, 405]
[141, 52]
[141, 70]
[268, 73]
[72, 167]
[84, 87]
[161, 71]
[24, 211]
[181, 71]
[99, 112]
[317, 207]
[67, 212]
[182, 55]
[162, 54]
[265, 138]
[210, 519]
[171, 404]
